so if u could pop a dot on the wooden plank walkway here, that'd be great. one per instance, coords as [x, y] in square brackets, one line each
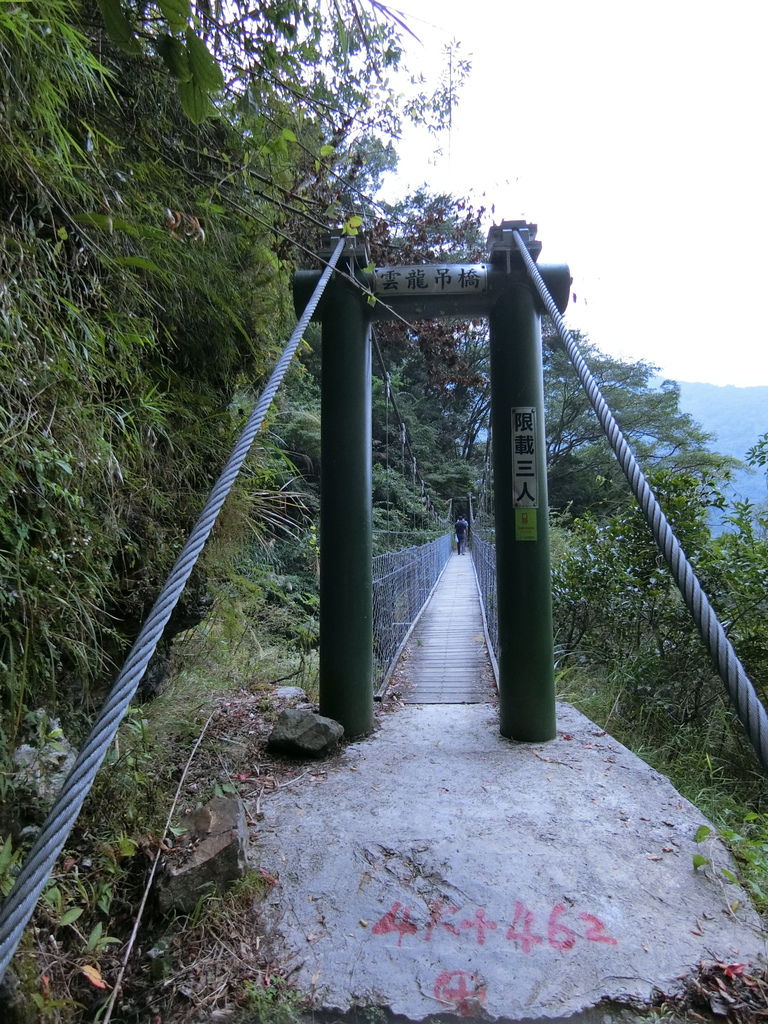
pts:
[446, 659]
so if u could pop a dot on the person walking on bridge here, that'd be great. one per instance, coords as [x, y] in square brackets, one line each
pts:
[461, 534]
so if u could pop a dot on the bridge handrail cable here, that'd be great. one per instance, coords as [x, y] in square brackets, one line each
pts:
[740, 689]
[20, 902]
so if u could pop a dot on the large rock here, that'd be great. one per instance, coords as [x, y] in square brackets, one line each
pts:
[41, 765]
[15, 1005]
[211, 853]
[303, 733]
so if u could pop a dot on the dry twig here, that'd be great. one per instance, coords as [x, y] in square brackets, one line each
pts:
[155, 862]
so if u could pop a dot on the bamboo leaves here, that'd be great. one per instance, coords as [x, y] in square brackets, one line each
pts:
[196, 70]
[119, 26]
[176, 12]
[175, 57]
[188, 59]
[206, 73]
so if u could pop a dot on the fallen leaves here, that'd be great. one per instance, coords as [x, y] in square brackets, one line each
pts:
[93, 974]
[735, 992]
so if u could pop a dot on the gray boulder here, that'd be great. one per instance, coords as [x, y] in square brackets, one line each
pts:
[290, 693]
[15, 1006]
[209, 855]
[303, 733]
[42, 765]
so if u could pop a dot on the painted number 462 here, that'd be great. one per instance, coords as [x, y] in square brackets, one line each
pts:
[559, 935]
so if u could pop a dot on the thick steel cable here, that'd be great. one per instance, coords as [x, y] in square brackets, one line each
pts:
[20, 903]
[742, 693]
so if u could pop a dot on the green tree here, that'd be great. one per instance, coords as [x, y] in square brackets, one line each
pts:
[146, 261]
[620, 617]
[583, 472]
[617, 608]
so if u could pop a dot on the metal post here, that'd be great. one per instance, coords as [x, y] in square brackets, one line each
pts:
[526, 657]
[346, 613]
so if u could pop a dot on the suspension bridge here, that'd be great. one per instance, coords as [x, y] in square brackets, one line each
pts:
[486, 852]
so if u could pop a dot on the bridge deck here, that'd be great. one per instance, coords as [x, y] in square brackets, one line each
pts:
[446, 659]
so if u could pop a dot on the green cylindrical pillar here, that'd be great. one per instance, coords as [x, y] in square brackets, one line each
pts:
[346, 613]
[524, 595]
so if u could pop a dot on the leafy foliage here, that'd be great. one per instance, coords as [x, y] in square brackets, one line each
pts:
[616, 605]
[145, 262]
[584, 474]
[620, 617]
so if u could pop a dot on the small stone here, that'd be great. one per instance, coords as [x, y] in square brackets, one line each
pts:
[302, 733]
[211, 853]
[290, 693]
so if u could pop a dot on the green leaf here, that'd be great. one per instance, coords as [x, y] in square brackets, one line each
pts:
[351, 224]
[289, 135]
[701, 833]
[195, 101]
[699, 861]
[6, 855]
[95, 220]
[94, 937]
[729, 876]
[52, 897]
[175, 57]
[177, 13]
[206, 72]
[118, 27]
[70, 916]
[127, 847]
[327, 150]
[140, 262]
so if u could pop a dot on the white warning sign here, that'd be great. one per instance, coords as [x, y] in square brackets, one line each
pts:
[525, 492]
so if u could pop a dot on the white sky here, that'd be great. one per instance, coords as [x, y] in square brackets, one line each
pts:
[634, 135]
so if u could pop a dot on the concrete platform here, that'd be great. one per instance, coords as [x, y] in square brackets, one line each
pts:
[437, 868]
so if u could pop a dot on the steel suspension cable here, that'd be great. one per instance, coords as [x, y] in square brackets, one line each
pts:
[20, 903]
[748, 706]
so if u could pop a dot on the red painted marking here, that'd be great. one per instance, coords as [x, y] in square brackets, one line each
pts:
[481, 925]
[559, 935]
[523, 919]
[436, 911]
[595, 933]
[395, 921]
[460, 989]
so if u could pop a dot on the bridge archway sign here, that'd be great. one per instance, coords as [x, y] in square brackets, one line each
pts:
[500, 290]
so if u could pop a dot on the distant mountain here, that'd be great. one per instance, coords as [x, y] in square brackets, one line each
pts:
[736, 417]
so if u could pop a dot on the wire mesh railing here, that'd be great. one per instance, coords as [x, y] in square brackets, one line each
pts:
[402, 582]
[484, 558]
